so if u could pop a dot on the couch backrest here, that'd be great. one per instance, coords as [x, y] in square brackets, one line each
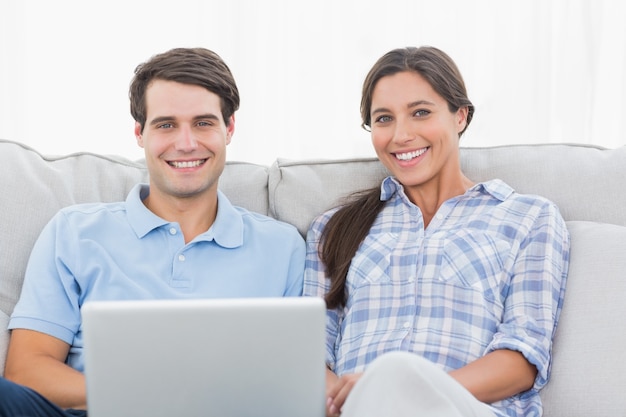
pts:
[34, 187]
[586, 182]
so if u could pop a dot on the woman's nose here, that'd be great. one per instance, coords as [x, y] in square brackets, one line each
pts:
[404, 132]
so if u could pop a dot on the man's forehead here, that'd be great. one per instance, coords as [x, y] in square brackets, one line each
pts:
[171, 98]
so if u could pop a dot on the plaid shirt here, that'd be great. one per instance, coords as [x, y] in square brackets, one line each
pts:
[487, 273]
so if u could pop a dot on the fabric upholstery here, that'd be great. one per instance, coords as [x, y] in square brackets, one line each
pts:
[588, 376]
[586, 182]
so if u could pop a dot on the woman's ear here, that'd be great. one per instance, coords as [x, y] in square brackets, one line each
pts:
[462, 118]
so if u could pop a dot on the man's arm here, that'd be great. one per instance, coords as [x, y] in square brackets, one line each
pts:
[37, 360]
[497, 375]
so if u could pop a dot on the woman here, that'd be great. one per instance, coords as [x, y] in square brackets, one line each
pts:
[466, 277]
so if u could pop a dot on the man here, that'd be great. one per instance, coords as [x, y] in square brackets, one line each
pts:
[178, 237]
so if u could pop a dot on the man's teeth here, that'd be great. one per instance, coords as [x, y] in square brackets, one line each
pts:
[187, 164]
[410, 155]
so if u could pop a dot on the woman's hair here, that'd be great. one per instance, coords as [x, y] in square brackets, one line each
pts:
[196, 66]
[434, 65]
[348, 227]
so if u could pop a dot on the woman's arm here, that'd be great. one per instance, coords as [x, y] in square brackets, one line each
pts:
[497, 375]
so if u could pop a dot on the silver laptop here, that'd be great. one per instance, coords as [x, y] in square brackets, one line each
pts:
[251, 357]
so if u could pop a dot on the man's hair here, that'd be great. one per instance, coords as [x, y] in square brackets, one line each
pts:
[196, 66]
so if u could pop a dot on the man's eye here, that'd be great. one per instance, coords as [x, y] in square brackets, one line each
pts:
[165, 126]
[204, 124]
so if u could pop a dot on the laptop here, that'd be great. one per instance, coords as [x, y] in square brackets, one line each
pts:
[247, 357]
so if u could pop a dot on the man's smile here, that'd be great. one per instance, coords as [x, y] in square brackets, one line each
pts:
[187, 164]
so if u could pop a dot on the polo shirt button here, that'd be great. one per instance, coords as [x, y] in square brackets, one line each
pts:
[181, 258]
[172, 231]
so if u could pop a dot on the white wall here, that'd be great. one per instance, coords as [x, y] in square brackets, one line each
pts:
[536, 70]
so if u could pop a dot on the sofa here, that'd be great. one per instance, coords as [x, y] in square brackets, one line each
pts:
[588, 183]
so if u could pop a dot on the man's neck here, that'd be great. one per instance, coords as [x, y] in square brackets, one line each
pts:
[195, 215]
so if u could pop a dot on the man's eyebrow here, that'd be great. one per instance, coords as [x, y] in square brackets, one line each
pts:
[206, 116]
[162, 119]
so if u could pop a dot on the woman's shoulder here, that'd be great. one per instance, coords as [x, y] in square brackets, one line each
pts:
[352, 208]
[503, 191]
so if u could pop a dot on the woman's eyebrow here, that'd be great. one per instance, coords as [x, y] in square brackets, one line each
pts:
[420, 103]
[408, 106]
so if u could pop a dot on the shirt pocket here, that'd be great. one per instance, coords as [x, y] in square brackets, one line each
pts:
[473, 259]
[370, 264]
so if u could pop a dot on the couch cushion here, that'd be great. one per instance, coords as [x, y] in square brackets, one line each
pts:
[300, 190]
[4, 335]
[245, 184]
[585, 182]
[588, 376]
[582, 180]
[35, 187]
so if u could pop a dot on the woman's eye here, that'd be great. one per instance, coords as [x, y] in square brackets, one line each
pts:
[422, 113]
[383, 119]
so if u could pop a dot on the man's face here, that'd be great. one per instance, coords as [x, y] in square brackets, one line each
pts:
[184, 139]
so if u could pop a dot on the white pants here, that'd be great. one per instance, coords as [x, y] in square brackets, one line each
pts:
[402, 384]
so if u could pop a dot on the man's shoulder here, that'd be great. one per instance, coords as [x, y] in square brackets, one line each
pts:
[92, 208]
[90, 215]
[262, 221]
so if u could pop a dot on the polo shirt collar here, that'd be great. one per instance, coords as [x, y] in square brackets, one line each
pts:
[142, 220]
[226, 231]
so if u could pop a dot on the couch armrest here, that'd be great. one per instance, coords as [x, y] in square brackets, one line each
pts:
[588, 370]
[4, 340]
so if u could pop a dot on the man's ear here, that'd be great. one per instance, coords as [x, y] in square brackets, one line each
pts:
[230, 129]
[138, 134]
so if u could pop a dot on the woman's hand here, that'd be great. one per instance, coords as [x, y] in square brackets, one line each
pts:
[337, 390]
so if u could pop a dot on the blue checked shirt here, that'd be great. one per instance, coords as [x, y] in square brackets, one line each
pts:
[487, 273]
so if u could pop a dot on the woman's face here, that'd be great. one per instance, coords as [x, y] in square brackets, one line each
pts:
[413, 131]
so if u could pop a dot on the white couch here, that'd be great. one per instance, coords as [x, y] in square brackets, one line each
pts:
[587, 183]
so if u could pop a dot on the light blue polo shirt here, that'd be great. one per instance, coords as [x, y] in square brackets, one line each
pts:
[123, 251]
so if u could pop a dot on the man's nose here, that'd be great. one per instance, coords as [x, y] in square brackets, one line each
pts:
[186, 141]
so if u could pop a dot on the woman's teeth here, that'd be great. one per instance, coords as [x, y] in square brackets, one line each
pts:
[410, 155]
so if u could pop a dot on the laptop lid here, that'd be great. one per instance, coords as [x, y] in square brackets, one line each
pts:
[220, 357]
